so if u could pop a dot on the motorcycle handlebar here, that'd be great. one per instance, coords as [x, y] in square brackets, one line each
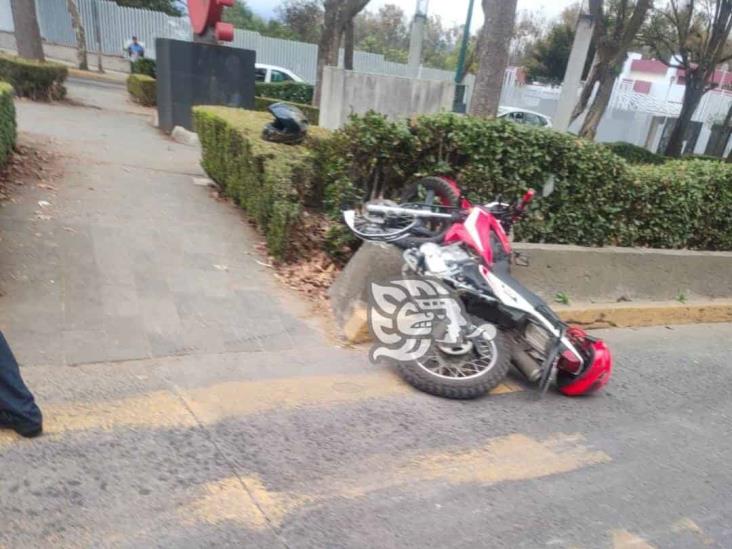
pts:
[526, 200]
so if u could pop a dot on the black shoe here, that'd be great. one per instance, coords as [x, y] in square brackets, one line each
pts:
[21, 426]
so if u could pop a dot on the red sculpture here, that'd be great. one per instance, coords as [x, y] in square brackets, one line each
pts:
[206, 16]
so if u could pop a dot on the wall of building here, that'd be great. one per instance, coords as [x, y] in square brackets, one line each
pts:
[348, 92]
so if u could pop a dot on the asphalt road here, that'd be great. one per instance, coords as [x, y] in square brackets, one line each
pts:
[191, 402]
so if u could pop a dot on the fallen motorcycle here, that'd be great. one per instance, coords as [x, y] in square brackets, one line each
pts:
[466, 248]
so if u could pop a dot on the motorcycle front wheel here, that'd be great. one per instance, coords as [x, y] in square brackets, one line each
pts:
[472, 374]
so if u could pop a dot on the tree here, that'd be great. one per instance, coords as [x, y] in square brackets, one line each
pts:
[385, 32]
[441, 44]
[494, 42]
[690, 35]
[615, 30]
[242, 17]
[27, 33]
[546, 57]
[528, 30]
[303, 18]
[80, 34]
[166, 6]
[336, 16]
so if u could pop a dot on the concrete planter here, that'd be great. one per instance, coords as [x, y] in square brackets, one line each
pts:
[603, 276]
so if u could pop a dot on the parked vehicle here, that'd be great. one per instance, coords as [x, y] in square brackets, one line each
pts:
[272, 73]
[466, 248]
[522, 116]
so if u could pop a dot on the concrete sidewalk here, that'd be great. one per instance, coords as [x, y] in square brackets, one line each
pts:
[131, 259]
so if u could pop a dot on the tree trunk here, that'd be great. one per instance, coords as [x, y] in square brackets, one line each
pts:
[27, 32]
[695, 89]
[80, 34]
[495, 38]
[606, 78]
[612, 46]
[337, 14]
[348, 57]
[587, 89]
[326, 45]
[97, 35]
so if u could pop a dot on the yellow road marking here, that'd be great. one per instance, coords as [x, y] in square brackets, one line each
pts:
[687, 525]
[165, 409]
[622, 539]
[513, 457]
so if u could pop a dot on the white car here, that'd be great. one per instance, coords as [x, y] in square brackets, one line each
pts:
[522, 116]
[271, 73]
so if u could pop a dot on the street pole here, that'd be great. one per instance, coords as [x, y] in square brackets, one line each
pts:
[459, 105]
[573, 74]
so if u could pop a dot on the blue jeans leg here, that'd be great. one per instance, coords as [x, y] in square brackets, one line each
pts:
[14, 395]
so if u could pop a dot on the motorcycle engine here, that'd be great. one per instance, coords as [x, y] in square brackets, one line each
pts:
[443, 260]
[538, 339]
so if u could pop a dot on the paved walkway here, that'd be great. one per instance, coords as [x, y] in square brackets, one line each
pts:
[190, 402]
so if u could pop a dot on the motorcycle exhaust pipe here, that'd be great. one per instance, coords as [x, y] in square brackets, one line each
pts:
[526, 365]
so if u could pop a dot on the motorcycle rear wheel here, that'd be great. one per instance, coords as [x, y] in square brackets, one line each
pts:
[426, 379]
[430, 193]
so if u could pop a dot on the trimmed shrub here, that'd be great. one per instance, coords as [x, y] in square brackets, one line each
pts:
[8, 128]
[33, 79]
[372, 156]
[295, 92]
[635, 154]
[144, 66]
[310, 112]
[599, 199]
[681, 204]
[143, 89]
[701, 157]
[271, 181]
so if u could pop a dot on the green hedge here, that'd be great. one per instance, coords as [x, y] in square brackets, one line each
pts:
[144, 66]
[295, 92]
[143, 89]
[8, 128]
[310, 112]
[635, 154]
[33, 79]
[599, 200]
[681, 204]
[271, 181]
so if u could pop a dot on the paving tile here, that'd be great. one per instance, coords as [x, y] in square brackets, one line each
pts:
[271, 333]
[33, 348]
[120, 300]
[84, 346]
[159, 315]
[126, 338]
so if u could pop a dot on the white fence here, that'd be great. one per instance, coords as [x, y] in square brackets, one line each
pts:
[118, 24]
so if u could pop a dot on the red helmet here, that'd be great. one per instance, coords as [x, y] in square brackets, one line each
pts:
[595, 375]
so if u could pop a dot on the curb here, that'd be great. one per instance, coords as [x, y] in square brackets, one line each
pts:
[625, 315]
[103, 77]
[595, 316]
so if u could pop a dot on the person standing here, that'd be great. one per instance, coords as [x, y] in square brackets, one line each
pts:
[18, 409]
[135, 50]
